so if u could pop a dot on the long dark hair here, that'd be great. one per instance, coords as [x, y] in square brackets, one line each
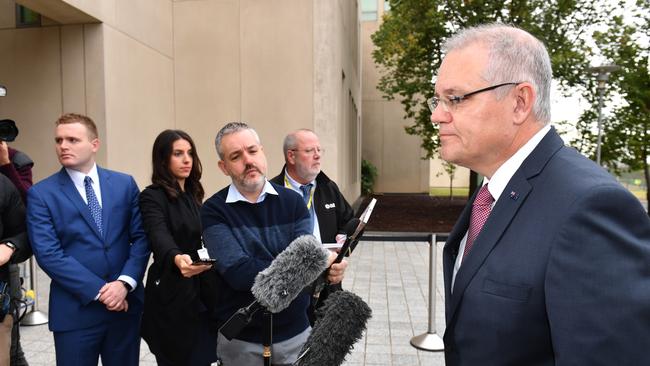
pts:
[161, 176]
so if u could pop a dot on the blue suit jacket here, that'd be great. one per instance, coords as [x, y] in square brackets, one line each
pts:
[559, 275]
[70, 249]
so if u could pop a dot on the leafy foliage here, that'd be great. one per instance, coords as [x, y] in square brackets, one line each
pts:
[408, 45]
[626, 128]
[368, 177]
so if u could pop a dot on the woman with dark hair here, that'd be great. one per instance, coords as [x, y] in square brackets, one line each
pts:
[180, 293]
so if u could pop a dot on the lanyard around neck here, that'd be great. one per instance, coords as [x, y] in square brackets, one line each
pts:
[311, 191]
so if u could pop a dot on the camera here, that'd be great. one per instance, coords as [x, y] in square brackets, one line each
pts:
[8, 130]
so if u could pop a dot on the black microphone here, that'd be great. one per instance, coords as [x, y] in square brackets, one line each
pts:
[340, 323]
[350, 229]
[278, 285]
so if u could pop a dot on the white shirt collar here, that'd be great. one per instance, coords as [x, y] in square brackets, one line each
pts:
[502, 176]
[234, 195]
[78, 180]
[294, 184]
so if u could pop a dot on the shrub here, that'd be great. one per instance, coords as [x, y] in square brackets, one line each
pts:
[368, 176]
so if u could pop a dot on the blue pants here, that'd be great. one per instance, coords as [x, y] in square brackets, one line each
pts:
[117, 341]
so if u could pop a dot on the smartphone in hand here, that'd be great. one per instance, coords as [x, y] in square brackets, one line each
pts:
[203, 261]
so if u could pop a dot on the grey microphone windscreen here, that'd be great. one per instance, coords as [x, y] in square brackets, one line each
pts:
[340, 322]
[290, 272]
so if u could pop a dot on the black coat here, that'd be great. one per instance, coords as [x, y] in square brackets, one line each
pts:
[332, 210]
[12, 224]
[173, 303]
[333, 213]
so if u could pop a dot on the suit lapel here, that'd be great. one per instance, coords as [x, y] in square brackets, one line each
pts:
[450, 251]
[509, 203]
[69, 189]
[498, 221]
[105, 186]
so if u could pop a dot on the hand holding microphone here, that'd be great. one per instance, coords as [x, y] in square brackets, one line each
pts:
[278, 285]
[291, 271]
[335, 271]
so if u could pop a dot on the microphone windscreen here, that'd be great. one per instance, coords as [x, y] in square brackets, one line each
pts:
[340, 323]
[290, 272]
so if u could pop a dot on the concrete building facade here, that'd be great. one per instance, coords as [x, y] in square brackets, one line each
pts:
[397, 155]
[138, 67]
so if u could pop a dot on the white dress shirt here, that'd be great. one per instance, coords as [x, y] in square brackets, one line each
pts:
[499, 181]
[78, 180]
[234, 195]
[312, 210]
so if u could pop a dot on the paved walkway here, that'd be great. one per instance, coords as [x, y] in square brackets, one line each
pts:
[392, 277]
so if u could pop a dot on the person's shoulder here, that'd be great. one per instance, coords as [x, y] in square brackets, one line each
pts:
[51, 181]
[324, 181]
[278, 179]
[217, 198]
[153, 191]
[578, 170]
[21, 160]
[113, 174]
[6, 185]
[8, 192]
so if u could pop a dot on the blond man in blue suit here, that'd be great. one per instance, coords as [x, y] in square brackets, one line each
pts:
[86, 226]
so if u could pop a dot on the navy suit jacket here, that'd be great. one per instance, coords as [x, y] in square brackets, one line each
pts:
[559, 275]
[79, 260]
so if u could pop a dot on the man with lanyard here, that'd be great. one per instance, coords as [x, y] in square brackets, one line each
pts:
[329, 210]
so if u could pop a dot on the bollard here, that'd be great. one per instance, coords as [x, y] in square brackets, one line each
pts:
[34, 317]
[430, 341]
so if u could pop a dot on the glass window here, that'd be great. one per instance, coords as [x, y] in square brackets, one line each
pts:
[368, 10]
[386, 6]
[26, 17]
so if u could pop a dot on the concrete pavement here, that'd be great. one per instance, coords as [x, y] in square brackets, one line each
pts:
[391, 276]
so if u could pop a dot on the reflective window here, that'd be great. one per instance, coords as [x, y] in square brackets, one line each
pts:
[368, 10]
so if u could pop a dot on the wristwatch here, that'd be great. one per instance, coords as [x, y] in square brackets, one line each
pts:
[10, 245]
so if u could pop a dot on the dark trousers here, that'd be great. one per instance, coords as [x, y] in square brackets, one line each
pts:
[117, 341]
[16, 351]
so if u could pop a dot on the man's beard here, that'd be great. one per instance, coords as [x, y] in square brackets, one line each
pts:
[307, 173]
[251, 184]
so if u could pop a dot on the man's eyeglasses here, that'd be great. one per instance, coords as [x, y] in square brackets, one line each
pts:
[311, 150]
[450, 103]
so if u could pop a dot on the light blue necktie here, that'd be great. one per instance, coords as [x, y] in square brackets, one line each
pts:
[306, 195]
[93, 203]
[306, 192]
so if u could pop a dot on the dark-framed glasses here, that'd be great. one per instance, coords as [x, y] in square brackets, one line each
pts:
[450, 102]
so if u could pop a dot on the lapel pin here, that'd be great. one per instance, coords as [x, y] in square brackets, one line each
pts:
[514, 195]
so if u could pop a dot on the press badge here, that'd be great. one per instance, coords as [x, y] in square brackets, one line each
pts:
[203, 253]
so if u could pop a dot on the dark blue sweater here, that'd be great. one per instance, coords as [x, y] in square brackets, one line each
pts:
[244, 238]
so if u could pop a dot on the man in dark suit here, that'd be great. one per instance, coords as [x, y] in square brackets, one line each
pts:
[327, 207]
[86, 226]
[549, 264]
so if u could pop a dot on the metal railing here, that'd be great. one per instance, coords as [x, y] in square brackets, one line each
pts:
[429, 341]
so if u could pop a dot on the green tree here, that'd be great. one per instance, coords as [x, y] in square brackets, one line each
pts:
[409, 39]
[626, 128]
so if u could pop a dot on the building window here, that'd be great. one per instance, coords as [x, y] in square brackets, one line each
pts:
[26, 17]
[386, 6]
[368, 10]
